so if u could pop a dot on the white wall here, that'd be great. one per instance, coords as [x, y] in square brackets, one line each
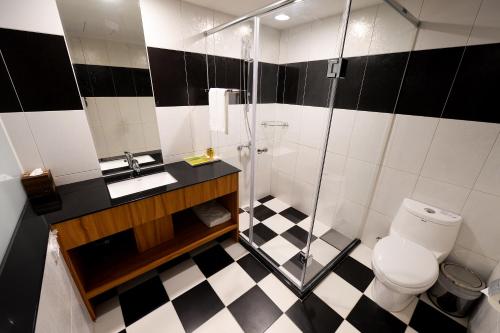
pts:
[60, 308]
[12, 197]
[40, 137]
[451, 164]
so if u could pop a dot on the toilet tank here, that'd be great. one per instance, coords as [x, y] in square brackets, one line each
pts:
[431, 227]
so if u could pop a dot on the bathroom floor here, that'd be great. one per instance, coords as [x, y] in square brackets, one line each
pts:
[280, 233]
[223, 288]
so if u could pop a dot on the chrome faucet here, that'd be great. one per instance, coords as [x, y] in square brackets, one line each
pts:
[136, 167]
[130, 158]
[133, 163]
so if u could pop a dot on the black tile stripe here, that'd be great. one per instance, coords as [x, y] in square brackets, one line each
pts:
[112, 81]
[41, 70]
[427, 81]
[9, 103]
[475, 92]
[372, 83]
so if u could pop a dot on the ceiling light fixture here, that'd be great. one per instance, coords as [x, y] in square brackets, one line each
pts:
[282, 17]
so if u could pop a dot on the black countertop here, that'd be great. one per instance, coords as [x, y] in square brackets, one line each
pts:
[90, 196]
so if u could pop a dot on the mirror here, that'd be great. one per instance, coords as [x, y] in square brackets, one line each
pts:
[106, 45]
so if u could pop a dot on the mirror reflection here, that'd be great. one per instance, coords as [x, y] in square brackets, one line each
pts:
[108, 52]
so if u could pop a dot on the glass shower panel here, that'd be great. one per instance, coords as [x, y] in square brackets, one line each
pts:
[292, 117]
[377, 47]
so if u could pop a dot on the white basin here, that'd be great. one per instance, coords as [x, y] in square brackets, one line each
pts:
[139, 184]
[121, 163]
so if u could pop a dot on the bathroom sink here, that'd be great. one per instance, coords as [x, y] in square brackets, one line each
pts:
[139, 184]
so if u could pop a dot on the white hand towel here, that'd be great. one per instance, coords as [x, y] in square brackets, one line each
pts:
[218, 100]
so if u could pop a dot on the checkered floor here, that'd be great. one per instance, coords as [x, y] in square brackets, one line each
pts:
[223, 288]
[280, 232]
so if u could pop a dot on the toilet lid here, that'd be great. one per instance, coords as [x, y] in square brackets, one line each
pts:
[405, 263]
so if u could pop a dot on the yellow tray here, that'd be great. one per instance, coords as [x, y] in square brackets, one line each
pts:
[200, 160]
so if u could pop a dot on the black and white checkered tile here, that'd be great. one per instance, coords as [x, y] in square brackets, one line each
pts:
[223, 288]
[280, 232]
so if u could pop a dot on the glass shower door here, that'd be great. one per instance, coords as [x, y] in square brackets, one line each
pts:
[290, 120]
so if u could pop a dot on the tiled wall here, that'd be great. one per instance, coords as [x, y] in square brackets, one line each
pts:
[42, 110]
[440, 145]
[52, 132]
[61, 308]
[178, 70]
[114, 79]
[12, 197]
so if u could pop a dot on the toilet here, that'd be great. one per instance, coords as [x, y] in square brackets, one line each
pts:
[406, 263]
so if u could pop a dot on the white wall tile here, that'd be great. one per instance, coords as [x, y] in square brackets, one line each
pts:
[307, 168]
[341, 130]
[298, 43]
[392, 187]
[77, 177]
[349, 219]
[95, 51]
[159, 19]
[24, 144]
[147, 109]
[325, 38]
[282, 186]
[446, 23]
[359, 31]
[292, 115]
[443, 195]
[201, 132]
[377, 225]
[118, 54]
[129, 110]
[369, 135]
[285, 157]
[459, 150]
[303, 196]
[392, 32]
[75, 50]
[229, 41]
[12, 194]
[477, 262]
[138, 56]
[31, 15]
[487, 25]
[409, 142]
[313, 126]
[196, 20]
[64, 141]
[489, 178]
[360, 179]
[175, 130]
[269, 44]
[480, 229]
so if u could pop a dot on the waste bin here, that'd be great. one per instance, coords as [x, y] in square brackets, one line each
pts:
[456, 290]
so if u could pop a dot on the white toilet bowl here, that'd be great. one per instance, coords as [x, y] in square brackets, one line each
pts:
[402, 270]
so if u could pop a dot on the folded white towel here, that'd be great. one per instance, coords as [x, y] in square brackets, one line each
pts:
[218, 100]
[212, 213]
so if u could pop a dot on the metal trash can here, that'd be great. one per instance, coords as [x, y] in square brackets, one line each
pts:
[456, 290]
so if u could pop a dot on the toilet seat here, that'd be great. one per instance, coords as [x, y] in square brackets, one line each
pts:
[403, 265]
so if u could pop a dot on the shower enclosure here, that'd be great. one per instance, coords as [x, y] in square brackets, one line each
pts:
[283, 103]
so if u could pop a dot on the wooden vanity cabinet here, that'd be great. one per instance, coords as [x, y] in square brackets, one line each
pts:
[141, 235]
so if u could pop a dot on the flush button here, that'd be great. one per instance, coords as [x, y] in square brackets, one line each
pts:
[430, 210]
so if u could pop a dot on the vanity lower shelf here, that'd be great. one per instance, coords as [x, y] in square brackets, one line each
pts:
[124, 262]
[108, 248]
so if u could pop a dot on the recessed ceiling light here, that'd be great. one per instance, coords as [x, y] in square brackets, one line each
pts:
[282, 17]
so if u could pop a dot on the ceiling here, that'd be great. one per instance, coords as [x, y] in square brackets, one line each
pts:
[117, 20]
[300, 12]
